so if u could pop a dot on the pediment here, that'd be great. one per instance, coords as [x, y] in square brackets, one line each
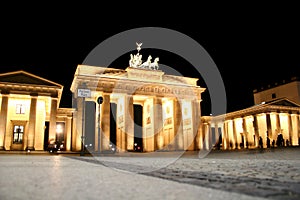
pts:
[283, 102]
[23, 77]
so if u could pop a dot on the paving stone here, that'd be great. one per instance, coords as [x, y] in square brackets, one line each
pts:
[271, 174]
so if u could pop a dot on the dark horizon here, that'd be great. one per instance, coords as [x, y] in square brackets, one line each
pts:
[249, 55]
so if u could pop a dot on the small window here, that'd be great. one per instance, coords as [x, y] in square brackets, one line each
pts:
[18, 134]
[20, 109]
[273, 96]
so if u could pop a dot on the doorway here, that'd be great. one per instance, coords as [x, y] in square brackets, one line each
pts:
[113, 125]
[138, 127]
[46, 136]
[89, 125]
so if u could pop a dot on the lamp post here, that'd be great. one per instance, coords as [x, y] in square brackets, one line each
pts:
[99, 101]
[83, 92]
[82, 131]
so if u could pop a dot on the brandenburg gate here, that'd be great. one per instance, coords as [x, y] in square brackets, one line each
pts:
[142, 106]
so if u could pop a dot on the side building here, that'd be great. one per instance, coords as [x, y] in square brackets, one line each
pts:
[285, 89]
[275, 119]
[30, 116]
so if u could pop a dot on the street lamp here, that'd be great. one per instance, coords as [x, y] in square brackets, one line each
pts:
[82, 131]
[83, 93]
[59, 134]
[99, 101]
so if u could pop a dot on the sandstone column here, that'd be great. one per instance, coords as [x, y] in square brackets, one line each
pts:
[269, 127]
[205, 136]
[105, 122]
[290, 127]
[298, 125]
[68, 132]
[158, 121]
[256, 133]
[200, 136]
[245, 133]
[235, 144]
[217, 134]
[3, 120]
[278, 126]
[32, 122]
[123, 135]
[208, 138]
[178, 129]
[129, 122]
[196, 123]
[52, 122]
[225, 139]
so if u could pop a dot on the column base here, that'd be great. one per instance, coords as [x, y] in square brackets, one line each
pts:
[30, 148]
[2, 148]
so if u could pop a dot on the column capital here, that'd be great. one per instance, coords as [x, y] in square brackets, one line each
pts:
[107, 94]
[5, 91]
[34, 95]
[206, 123]
[4, 94]
[54, 95]
[158, 97]
[197, 100]
[157, 100]
[177, 99]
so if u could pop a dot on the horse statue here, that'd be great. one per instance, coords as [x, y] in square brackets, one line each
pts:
[131, 63]
[154, 65]
[135, 60]
[147, 63]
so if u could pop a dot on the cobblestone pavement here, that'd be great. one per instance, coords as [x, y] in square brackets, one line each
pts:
[271, 173]
[35, 176]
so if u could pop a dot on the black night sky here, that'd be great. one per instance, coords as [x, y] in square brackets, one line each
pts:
[251, 48]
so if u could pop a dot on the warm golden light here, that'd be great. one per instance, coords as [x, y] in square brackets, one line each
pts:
[169, 110]
[59, 129]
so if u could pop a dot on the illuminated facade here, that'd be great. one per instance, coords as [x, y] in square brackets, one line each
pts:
[276, 113]
[141, 107]
[166, 109]
[286, 89]
[170, 117]
[29, 113]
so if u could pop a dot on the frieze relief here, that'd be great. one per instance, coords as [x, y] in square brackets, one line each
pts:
[140, 75]
[187, 121]
[130, 88]
[168, 121]
[121, 119]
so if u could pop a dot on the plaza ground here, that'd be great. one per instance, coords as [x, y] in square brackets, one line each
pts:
[243, 174]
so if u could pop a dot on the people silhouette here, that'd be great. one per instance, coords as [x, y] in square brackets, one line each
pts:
[280, 140]
[260, 142]
[287, 142]
[273, 143]
[268, 142]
